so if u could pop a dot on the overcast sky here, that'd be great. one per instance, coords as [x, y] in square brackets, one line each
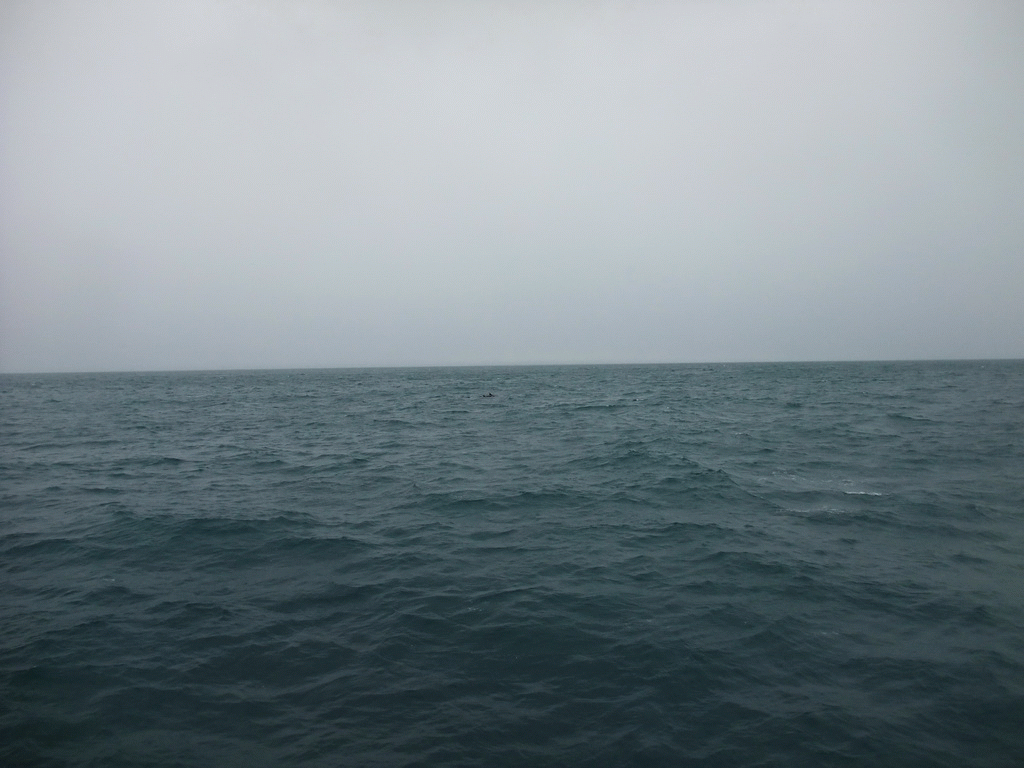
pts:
[196, 184]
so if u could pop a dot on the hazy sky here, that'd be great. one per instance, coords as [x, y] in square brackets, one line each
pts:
[289, 183]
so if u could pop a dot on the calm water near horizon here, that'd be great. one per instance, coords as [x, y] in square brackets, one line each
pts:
[791, 564]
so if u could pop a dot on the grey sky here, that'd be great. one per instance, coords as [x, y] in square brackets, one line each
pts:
[289, 183]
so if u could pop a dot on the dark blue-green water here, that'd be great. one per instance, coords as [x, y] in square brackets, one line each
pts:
[722, 565]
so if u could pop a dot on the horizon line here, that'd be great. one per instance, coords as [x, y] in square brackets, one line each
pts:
[806, 361]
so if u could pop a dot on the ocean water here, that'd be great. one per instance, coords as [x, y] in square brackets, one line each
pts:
[693, 565]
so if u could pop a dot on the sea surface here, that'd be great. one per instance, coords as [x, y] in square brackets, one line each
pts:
[679, 565]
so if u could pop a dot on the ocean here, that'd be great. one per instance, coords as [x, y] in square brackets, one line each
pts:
[814, 564]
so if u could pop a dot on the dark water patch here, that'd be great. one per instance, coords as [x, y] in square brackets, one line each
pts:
[788, 565]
